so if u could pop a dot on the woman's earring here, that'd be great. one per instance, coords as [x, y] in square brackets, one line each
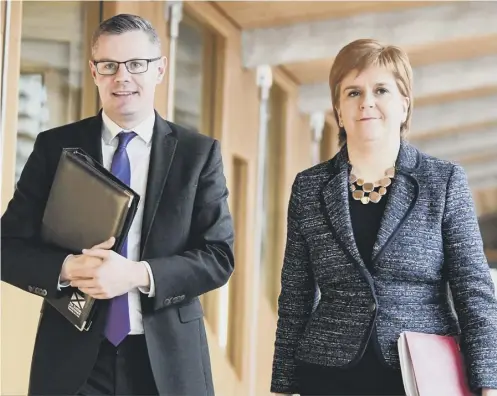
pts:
[340, 123]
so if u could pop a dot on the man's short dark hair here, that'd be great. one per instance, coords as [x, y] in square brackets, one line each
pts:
[123, 23]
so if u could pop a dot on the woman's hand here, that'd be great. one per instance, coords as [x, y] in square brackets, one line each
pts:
[489, 392]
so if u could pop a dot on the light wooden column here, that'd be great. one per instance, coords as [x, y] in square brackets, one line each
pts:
[89, 100]
[17, 331]
[9, 124]
[3, 8]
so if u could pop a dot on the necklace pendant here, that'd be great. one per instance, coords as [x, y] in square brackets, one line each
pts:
[368, 187]
[374, 197]
[390, 172]
[385, 182]
[358, 195]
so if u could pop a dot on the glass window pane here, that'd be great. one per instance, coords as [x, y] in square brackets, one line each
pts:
[53, 59]
[194, 76]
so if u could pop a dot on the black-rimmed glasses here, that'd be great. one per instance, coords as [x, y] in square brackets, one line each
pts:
[134, 66]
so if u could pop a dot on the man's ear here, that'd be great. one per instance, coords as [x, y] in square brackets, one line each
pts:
[162, 69]
[93, 70]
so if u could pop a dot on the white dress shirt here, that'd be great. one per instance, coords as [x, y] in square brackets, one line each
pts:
[138, 150]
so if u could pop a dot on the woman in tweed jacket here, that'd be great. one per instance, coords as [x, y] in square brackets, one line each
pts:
[382, 245]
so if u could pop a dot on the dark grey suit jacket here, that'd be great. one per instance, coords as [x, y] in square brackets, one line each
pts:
[428, 237]
[187, 237]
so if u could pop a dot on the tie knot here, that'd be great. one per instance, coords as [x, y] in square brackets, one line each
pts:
[124, 139]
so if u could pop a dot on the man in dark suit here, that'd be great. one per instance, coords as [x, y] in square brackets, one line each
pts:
[148, 335]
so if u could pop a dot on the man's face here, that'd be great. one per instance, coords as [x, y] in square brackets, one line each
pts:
[127, 97]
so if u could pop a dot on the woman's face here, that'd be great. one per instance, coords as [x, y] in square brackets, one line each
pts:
[371, 107]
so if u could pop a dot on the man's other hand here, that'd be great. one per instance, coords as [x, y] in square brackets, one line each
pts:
[75, 264]
[108, 273]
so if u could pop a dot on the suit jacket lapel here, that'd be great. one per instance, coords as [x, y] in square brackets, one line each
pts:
[402, 198]
[161, 157]
[335, 199]
[91, 140]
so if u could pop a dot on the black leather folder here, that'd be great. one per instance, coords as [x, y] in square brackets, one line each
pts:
[86, 206]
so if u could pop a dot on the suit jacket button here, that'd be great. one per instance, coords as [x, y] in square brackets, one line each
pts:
[167, 301]
[30, 289]
[176, 300]
[43, 292]
[372, 307]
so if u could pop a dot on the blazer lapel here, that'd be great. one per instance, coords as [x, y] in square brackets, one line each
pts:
[161, 157]
[335, 200]
[402, 198]
[91, 140]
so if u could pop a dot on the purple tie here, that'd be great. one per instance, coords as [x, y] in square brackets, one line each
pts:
[118, 326]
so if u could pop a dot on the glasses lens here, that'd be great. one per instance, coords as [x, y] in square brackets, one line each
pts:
[137, 66]
[107, 67]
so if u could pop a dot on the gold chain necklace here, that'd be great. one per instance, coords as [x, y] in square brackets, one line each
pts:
[367, 192]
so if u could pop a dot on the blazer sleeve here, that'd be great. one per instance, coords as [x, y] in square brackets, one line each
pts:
[27, 263]
[470, 281]
[210, 262]
[295, 300]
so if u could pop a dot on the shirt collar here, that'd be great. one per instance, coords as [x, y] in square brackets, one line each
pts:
[144, 130]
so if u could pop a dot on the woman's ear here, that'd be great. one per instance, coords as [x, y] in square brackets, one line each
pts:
[340, 122]
[405, 105]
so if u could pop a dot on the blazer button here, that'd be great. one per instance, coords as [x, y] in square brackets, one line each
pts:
[372, 307]
[30, 289]
[167, 301]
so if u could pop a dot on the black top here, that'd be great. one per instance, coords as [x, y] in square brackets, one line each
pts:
[366, 220]
[370, 376]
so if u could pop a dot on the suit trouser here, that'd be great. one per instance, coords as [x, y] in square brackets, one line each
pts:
[122, 370]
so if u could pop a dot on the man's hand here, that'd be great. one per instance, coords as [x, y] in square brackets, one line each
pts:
[73, 265]
[102, 273]
[113, 276]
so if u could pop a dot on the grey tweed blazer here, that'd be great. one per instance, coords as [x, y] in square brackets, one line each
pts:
[428, 239]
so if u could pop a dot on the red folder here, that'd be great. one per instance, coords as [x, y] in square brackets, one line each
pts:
[432, 365]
